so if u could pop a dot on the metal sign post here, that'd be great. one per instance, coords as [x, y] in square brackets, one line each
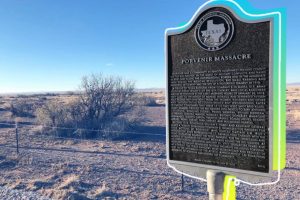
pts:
[215, 184]
[225, 95]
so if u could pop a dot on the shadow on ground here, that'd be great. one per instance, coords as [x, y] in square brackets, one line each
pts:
[293, 136]
[80, 151]
[147, 134]
[292, 169]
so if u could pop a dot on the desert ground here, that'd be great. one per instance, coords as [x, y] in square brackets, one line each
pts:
[132, 167]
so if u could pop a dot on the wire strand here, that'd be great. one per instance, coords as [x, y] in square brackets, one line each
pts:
[81, 129]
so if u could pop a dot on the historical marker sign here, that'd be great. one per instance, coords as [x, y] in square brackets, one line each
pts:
[220, 93]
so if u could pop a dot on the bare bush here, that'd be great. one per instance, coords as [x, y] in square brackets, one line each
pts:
[105, 103]
[104, 99]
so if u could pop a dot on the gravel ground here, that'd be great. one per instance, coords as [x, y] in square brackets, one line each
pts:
[9, 194]
[129, 170]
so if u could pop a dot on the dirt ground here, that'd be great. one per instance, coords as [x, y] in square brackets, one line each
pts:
[131, 168]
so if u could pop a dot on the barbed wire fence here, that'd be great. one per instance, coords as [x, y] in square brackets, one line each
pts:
[17, 142]
[99, 132]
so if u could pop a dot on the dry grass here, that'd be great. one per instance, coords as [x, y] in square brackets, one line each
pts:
[59, 186]
[100, 190]
[38, 184]
[293, 107]
[18, 184]
[69, 182]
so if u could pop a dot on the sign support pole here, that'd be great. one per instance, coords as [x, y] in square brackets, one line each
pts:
[215, 184]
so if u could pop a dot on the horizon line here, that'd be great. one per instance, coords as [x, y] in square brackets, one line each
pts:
[66, 91]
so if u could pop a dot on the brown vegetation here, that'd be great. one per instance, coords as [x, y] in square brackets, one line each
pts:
[104, 103]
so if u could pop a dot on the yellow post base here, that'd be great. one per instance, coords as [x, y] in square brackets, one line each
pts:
[229, 188]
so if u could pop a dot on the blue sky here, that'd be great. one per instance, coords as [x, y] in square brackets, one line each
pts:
[49, 45]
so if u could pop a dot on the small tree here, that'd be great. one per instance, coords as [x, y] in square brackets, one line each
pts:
[104, 103]
[104, 99]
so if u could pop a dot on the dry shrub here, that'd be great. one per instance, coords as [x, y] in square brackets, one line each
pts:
[105, 103]
[22, 108]
[147, 101]
[25, 106]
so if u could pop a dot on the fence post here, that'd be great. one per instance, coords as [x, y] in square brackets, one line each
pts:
[17, 137]
[182, 183]
[80, 133]
[56, 133]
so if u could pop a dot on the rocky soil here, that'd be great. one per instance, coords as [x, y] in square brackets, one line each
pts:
[9, 194]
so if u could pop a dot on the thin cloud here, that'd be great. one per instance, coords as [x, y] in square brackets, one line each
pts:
[109, 64]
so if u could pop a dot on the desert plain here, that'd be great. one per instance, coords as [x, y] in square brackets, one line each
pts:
[132, 167]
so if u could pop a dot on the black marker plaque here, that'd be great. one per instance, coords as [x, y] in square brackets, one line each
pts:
[218, 92]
